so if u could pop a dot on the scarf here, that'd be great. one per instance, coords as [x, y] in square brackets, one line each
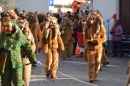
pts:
[113, 29]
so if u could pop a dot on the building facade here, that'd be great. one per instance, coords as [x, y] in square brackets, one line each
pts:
[43, 5]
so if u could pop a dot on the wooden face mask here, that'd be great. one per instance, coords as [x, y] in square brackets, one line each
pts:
[8, 27]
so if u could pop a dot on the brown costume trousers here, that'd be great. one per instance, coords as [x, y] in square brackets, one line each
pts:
[128, 72]
[52, 62]
[36, 42]
[27, 71]
[104, 57]
[70, 50]
[64, 53]
[67, 52]
[94, 58]
[85, 55]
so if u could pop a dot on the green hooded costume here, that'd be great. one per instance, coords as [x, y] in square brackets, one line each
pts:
[11, 64]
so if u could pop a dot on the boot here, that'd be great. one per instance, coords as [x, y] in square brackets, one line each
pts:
[105, 63]
[91, 80]
[47, 75]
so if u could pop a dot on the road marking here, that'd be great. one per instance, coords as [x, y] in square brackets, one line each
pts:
[76, 62]
[69, 76]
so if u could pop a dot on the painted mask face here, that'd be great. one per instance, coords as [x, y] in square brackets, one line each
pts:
[93, 19]
[54, 20]
[66, 21]
[8, 27]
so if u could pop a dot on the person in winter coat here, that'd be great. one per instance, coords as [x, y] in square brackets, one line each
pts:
[116, 33]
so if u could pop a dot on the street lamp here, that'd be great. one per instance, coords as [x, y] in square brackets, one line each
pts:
[90, 4]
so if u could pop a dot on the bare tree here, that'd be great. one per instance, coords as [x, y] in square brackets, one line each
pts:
[8, 4]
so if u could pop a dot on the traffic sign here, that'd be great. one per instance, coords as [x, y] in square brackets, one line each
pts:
[51, 2]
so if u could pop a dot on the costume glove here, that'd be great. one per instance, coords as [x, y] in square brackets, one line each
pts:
[94, 42]
[34, 63]
[90, 42]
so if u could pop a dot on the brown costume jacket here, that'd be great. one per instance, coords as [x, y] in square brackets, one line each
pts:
[100, 37]
[50, 43]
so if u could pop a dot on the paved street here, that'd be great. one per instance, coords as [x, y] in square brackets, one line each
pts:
[74, 73]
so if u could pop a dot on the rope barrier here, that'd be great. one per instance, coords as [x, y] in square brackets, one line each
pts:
[66, 75]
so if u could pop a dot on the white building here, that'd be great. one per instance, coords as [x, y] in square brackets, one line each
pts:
[33, 5]
[62, 5]
[107, 8]
[43, 5]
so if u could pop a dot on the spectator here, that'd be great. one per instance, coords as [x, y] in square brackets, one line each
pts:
[116, 33]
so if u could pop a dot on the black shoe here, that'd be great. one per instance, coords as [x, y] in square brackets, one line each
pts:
[52, 77]
[105, 63]
[91, 81]
[47, 75]
[100, 69]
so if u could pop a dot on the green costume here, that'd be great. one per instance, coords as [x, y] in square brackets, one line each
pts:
[12, 44]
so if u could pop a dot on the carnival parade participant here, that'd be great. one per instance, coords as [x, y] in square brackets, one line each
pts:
[35, 28]
[11, 43]
[50, 47]
[66, 35]
[24, 26]
[94, 36]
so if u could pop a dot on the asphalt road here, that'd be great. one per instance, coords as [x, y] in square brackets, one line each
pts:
[74, 73]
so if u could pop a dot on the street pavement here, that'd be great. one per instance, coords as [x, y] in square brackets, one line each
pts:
[74, 73]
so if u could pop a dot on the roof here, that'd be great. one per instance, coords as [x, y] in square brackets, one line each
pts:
[76, 4]
[83, 1]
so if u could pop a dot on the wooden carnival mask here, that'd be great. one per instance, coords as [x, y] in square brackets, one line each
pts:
[12, 14]
[8, 27]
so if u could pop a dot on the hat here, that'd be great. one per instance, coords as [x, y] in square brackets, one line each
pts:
[117, 21]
